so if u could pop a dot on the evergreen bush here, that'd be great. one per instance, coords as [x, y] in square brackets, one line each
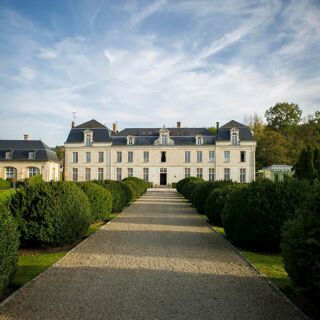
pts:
[189, 187]
[4, 184]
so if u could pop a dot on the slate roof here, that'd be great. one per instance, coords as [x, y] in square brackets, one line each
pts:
[20, 150]
[147, 136]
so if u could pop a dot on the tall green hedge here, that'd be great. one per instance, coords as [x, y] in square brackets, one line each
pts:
[190, 186]
[100, 200]
[180, 184]
[50, 214]
[253, 216]
[200, 194]
[127, 190]
[141, 186]
[9, 243]
[301, 246]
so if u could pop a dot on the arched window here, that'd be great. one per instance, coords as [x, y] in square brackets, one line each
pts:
[130, 141]
[234, 138]
[11, 173]
[199, 140]
[33, 171]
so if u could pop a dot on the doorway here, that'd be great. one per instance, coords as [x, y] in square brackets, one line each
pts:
[163, 176]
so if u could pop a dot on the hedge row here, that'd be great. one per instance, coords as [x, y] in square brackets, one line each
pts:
[267, 216]
[57, 213]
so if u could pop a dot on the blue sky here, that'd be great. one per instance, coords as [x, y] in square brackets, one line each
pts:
[152, 63]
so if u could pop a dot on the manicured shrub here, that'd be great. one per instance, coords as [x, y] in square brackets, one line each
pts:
[100, 200]
[301, 247]
[4, 184]
[189, 187]
[119, 198]
[9, 243]
[133, 186]
[138, 186]
[217, 199]
[34, 180]
[127, 190]
[253, 216]
[50, 214]
[182, 182]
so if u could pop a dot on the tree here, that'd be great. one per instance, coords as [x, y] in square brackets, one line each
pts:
[60, 152]
[304, 168]
[213, 130]
[283, 115]
[316, 161]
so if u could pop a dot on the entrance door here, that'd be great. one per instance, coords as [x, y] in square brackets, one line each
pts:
[163, 176]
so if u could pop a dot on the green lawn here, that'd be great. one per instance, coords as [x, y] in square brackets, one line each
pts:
[4, 194]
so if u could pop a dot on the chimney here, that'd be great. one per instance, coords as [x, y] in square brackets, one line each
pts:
[115, 127]
[178, 124]
[217, 126]
[72, 124]
[25, 137]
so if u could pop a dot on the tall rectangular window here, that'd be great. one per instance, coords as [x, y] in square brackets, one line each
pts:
[101, 156]
[32, 155]
[226, 174]
[100, 174]
[88, 157]
[199, 156]
[74, 157]
[88, 140]
[119, 156]
[187, 156]
[211, 174]
[187, 172]
[243, 175]
[163, 156]
[119, 174]
[130, 156]
[130, 172]
[242, 156]
[8, 155]
[146, 174]
[211, 156]
[88, 174]
[146, 156]
[199, 172]
[10, 172]
[227, 156]
[164, 139]
[74, 174]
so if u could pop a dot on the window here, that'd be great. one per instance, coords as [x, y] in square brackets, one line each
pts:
[100, 174]
[243, 175]
[88, 174]
[164, 139]
[199, 156]
[199, 172]
[100, 156]
[199, 140]
[146, 156]
[211, 174]
[88, 157]
[119, 156]
[10, 173]
[227, 156]
[187, 156]
[163, 170]
[163, 156]
[119, 174]
[234, 138]
[33, 171]
[32, 155]
[211, 156]
[242, 156]
[74, 157]
[130, 156]
[88, 140]
[74, 174]
[146, 174]
[187, 172]
[8, 155]
[130, 172]
[130, 140]
[226, 174]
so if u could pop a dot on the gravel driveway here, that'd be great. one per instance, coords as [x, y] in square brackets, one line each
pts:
[157, 260]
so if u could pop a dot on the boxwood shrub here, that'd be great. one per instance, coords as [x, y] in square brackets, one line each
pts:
[181, 183]
[137, 186]
[200, 194]
[189, 187]
[301, 247]
[9, 243]
[127, 190]
[253, 216]
[100, 200]
[50, 214]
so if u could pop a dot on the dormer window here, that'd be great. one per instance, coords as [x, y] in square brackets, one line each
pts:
[8, 155]
[32, 155]
[88, 138]
[164, 139]
[234, 136]
[130, 140]
[199, 140]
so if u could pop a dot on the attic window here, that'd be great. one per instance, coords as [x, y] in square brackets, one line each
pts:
[130, 140]
[8, 155]
[32, 155]
[88, 138]
[199, 140]
[164, 139]
[234, 138]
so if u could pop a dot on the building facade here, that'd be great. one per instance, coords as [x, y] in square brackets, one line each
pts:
[22, 159]
[159, 155]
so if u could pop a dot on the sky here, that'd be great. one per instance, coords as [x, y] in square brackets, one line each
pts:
[152, 63]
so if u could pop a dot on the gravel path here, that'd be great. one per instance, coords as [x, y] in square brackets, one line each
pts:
[158, 260]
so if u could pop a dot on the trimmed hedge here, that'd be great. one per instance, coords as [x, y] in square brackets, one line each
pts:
[301, 247]
[100, 200]
[200, 194]
[9, 243]
[127, 190]
[189, 187]
[215, 203]
[50, 214]
[180, 184]
[137, 186]
[253, 216]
